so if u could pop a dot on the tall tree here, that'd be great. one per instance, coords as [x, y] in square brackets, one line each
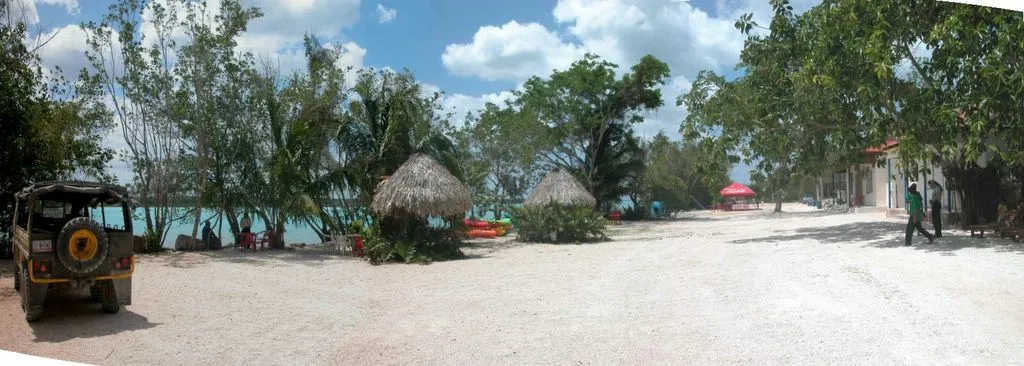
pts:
[958, 106]
[204, 66]
[389, 120]
[133, 73]
[588, 116]
[498, 144]
[774, 116]
[49, 129]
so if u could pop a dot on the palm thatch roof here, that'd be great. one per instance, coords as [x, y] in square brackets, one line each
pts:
[422, 187]
[560, 187]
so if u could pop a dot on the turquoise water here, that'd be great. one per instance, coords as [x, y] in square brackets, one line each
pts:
[293, 232]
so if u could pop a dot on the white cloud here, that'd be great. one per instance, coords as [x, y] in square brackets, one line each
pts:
[277, 36]
[65, 50]
[460, 104]
[28, 10]
[386, 15]
[667, 118]
[275, 39]
[70, 5]
[687, 38]
[511, 52]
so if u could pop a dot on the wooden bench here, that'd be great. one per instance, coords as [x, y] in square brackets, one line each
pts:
[1015, 233]
[1003, 228]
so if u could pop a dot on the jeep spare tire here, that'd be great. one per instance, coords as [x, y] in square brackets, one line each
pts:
[82, 245]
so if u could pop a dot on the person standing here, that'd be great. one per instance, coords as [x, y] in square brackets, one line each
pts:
[915, 207]
[936, 201]
[246, 223]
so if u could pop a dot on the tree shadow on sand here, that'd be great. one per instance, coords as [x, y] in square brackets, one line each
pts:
[483, 248]
[73, 315]
[888, 234]
[272, 258]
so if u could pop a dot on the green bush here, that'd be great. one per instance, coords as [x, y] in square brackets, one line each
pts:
[409, 240]
[152, 241]
[558, 224]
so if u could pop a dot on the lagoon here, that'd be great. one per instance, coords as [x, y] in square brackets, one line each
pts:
[295, 232]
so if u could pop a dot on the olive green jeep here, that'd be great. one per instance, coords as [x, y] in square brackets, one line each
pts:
[64, 239]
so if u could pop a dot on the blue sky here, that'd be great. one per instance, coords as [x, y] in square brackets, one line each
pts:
[474, 51]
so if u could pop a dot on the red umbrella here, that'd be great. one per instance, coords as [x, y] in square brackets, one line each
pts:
[736, 190]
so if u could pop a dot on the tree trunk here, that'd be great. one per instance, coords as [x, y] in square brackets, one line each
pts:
[199, 217]
[980, 191]
[277, 240]
[777, 197]
[229, 210]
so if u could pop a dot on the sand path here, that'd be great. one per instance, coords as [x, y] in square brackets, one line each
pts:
[752, 288]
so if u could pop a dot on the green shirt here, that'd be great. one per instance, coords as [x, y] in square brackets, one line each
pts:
[915, 206]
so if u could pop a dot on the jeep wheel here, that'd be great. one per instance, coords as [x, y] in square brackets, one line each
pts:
[82, 245]
[108, 297]
[30, 315]
[33, 316]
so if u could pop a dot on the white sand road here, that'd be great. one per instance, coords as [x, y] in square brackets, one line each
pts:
[747, 288]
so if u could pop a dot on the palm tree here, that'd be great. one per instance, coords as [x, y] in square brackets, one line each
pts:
[389, 120]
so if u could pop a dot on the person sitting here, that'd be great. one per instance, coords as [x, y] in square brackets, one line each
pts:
[210, 240]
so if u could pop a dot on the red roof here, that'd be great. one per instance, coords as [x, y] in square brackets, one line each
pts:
[889, 144]
[737, 190]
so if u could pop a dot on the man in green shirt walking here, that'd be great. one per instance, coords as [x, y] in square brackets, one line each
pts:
[915, 207]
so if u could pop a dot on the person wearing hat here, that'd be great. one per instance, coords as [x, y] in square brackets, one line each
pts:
[936, 201]
[915, 207]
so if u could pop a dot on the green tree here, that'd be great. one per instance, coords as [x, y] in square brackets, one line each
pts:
[588, 116]
[959, 107]
[388, 121]
[135, 75]
[498, 150]
[679, 175]
[774, 117]
[49, 130]
[202, 68]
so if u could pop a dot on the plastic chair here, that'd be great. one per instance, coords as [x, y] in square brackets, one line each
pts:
[248, 241]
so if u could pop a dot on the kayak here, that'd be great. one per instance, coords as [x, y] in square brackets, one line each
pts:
[478, 224]
[481, 233]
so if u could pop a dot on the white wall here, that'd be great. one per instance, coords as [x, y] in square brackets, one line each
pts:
[898, 183]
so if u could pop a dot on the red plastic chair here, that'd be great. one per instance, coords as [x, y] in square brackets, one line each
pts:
[615, 216]
[357, 247]
[248, 241]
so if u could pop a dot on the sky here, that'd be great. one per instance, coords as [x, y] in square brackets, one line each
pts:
[474, 51]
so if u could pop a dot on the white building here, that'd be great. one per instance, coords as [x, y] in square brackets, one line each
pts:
[880, 183]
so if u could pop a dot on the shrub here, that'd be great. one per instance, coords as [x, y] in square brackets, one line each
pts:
[152, 242]
[558, 224]
[410, 240]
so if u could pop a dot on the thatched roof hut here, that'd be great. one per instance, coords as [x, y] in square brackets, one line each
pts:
[560, 187]
[422, 187]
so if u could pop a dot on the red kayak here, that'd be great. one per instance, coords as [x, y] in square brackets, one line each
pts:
[480, 233]
[474, 223]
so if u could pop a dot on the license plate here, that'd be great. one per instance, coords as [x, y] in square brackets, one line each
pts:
[42, 246]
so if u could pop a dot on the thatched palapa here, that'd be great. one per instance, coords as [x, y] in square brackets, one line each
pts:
[422, 187]
[560, 187]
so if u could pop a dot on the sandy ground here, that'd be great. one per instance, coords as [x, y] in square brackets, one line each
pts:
[748, 288]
